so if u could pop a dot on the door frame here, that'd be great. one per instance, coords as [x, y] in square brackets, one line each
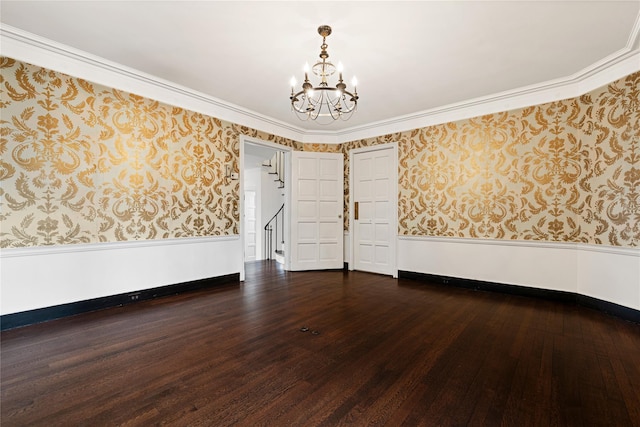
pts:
[245, 191]
[394, 201]
[287, 194]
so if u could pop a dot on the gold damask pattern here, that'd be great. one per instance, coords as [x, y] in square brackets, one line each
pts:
[611, 122]
[82, 163]
[565, 171]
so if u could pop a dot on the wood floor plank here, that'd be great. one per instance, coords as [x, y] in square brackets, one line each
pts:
[378, 351]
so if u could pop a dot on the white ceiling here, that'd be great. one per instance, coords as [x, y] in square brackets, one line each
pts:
[408, 56]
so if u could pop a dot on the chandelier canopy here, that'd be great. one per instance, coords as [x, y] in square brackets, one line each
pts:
[324, 103]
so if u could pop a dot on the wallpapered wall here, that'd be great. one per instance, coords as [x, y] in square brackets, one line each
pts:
[82, 163]
[565, 171]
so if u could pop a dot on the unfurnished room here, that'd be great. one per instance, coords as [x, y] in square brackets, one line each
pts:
[318, 213]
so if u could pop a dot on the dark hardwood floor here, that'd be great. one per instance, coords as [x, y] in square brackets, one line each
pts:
[378, 351]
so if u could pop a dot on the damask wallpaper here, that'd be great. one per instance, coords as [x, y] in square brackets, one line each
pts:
[566, 171]
[82, 163]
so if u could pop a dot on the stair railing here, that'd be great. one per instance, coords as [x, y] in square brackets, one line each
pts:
[274, 240]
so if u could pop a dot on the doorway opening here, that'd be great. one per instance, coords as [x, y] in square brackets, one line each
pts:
[263, 194]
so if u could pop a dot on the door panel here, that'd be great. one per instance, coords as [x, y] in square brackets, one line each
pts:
[374, 181]
[316, 211]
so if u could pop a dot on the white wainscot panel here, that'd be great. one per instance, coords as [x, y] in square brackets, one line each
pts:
[546, 266]
[46, 276]
[612, 276]
[603, 272]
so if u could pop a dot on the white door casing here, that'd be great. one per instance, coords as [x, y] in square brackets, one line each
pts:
[316, 211]
[250, 241]
[373, 209]
[244, 140]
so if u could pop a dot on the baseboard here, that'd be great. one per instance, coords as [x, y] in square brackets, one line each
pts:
[24, 318]
[617, 310]
[611, 308]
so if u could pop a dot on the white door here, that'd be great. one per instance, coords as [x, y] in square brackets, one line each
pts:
[374, 180]
[316, 211]
[250, 225]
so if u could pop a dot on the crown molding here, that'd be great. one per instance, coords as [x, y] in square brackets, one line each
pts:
[28, 47]
[33, 49]
[634, 36]
[616, 66]
[613, 67]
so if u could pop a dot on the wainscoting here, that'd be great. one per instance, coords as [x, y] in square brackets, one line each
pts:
[34, 278]
[607, 273]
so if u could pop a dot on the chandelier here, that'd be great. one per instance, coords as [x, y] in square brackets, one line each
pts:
[324, 103]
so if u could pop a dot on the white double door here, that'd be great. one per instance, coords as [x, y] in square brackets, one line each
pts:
[374, 180]
[317, 199]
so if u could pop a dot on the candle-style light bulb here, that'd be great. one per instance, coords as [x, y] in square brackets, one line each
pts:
[293, 82]
[354, 82]
[306, 71]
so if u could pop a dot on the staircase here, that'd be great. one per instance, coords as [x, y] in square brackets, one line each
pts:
[276, 167]
[274, 229]
[274, 237]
